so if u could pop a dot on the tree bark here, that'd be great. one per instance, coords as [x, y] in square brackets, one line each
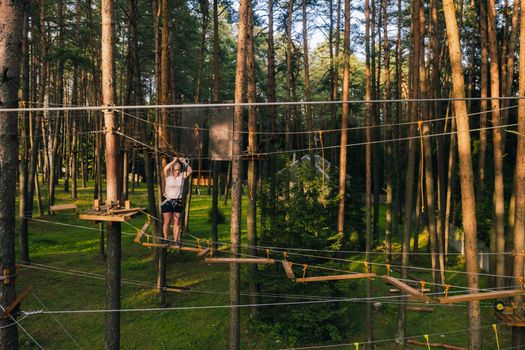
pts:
[344, 120]
[24, 146]
[466, 175]
[499, 204]
[235, 229]
[518, 334]
[11, 22]
[251, 219]
[112, 177]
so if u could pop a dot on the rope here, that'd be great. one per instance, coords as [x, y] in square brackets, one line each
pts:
[57, 321]
[254, 104]
[22, 328]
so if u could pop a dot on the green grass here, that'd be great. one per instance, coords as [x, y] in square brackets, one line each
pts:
[76, 249]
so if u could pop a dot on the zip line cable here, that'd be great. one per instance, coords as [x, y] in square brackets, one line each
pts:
[313, 131]
[254, 104]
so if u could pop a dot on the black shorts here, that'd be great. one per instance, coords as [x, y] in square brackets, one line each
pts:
[172, 206]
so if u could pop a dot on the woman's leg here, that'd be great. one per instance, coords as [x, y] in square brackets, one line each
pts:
[176, 227]
[166, 224]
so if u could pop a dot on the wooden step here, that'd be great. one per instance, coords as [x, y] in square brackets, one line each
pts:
[413, 292]
[481, 296]
[239, 261]
[335, 277]
[62, 207]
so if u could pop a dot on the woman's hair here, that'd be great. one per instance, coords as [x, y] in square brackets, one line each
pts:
[178, 162]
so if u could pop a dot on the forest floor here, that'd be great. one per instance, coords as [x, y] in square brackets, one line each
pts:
[67, 273]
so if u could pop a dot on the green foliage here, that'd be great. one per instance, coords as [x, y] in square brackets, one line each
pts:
[300, 216]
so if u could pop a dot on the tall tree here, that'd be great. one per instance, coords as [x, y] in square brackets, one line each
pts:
[251, 218]
[112, 176]
[344, 120]
[24, 145]
[11, 22]
[518, 334]
[468, 202]
[235, 228]
[499, 204]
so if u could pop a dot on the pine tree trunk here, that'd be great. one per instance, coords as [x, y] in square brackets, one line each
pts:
[518, 334]
[483, 103]
[24, 146]
[11, 22]
[499, 204]
[235, 230]
[251, 219]
[466, 174]
[388, 135]
[113, 177]
[309, 120]
[344, 120]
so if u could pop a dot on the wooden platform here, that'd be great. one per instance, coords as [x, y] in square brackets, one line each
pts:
[482, 296]
[335, 277]
[62, 207]
[413, 292]
[239, 261]
[511, 320]
[118, 215]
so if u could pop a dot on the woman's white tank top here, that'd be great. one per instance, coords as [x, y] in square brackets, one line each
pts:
[173, 189]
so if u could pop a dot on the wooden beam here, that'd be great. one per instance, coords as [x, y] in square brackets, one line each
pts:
[420, 308]
[204, 252]
[413, 292]
[481, 296]
[155, 245]
[62, 207]
[8, 310]
[239, 260]
[288, 269]
[335, 277]
[142, 231]
[435, 345]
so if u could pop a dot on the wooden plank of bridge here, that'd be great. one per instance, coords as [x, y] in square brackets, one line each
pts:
[142, 231]
[288, 269]
[511, 320]
[8, 310]
[335, 277]
[481, 296]
[62, 207]
[413, 292]
[239, 260]
[204, 252]
[435, 345]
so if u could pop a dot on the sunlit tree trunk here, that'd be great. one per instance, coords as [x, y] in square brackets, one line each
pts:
[518, 336]
[251, 219]
[499, 205]
[235, 228]
[112, 177]
[344, 120]
[466, 175]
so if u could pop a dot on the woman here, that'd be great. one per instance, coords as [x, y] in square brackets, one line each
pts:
[173, 204]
